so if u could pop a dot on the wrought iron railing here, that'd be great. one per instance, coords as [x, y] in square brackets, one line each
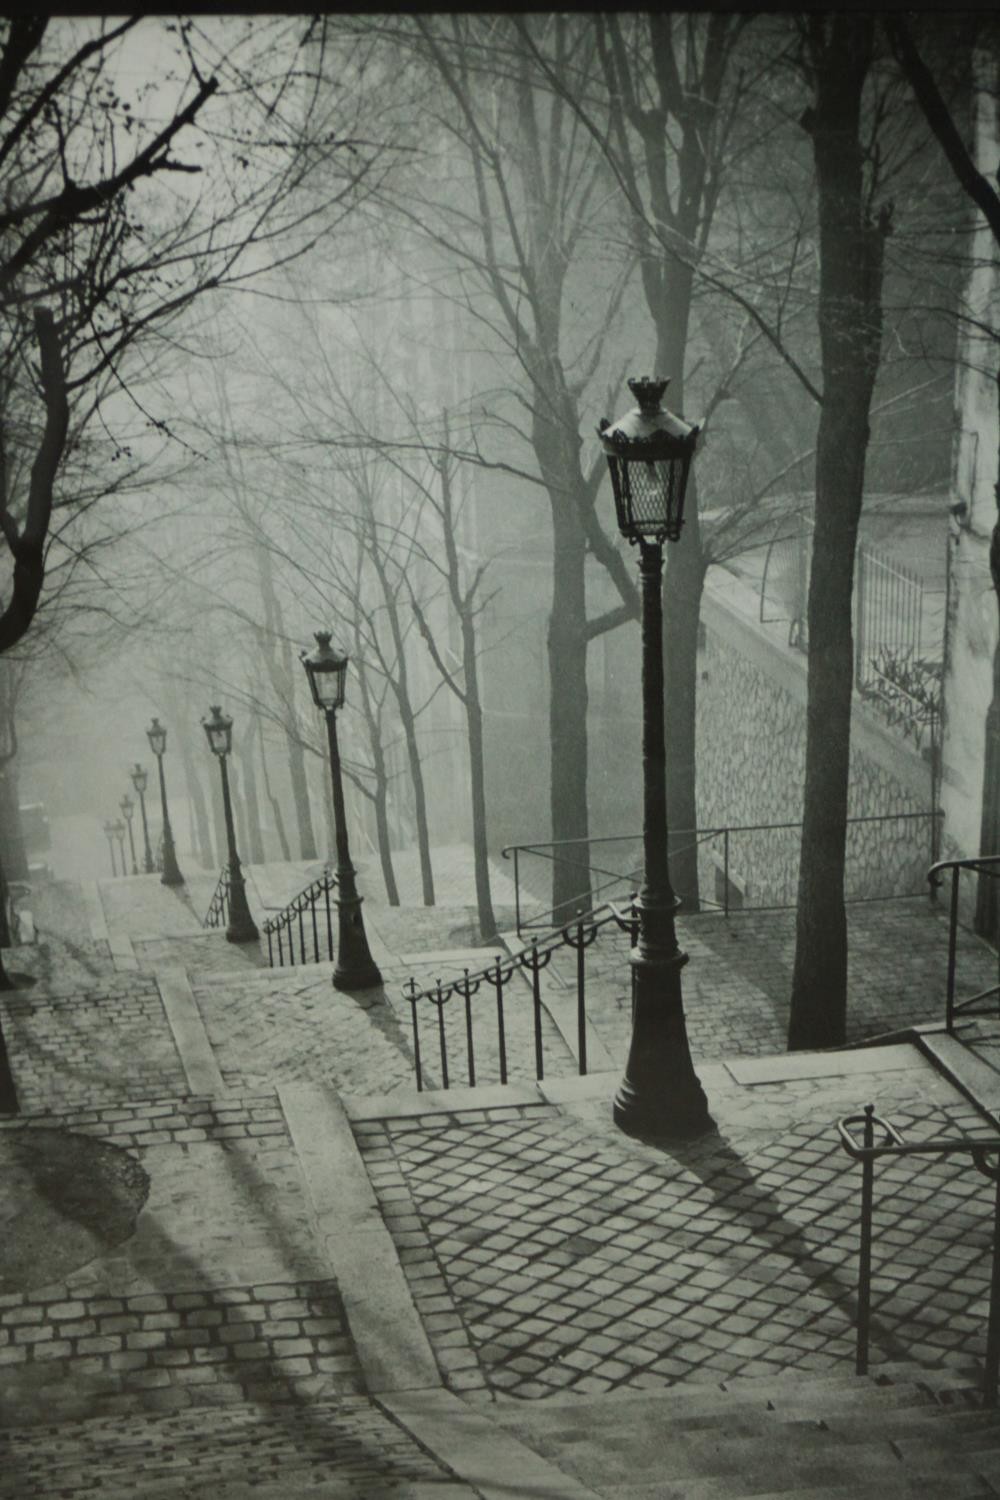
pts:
[218, 908]
[773, 866]
[489, 983]
[281, 929]
[891, 1144]
[987, 869]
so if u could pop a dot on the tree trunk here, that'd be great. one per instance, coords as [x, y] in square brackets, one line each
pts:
[255, 834]
[15, 855]
[477, 780]
[419, 798]
[850, 338]
[279, 821]
[685, 579]
[196, 798]
[567, 647]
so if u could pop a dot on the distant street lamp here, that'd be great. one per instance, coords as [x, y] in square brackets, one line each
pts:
[649, 454]
[241, 929]
[157, 736]
[109, 834]
[128, 808]
[139, 780]
[118, 829]
[355, 968]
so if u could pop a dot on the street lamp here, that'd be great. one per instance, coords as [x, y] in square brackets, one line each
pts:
[355, 969]
[139, 780]
[241, 928]
[157, 736]
[649, 454]
[109, 834]
[128, 808]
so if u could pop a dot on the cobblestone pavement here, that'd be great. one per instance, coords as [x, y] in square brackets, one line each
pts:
[298, 1445]
[220, 1295]
[547, 1254]
[92, 1043]
[206, 952]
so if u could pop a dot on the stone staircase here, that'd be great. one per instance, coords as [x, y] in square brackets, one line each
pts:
[345, 1450]
[840, 1437]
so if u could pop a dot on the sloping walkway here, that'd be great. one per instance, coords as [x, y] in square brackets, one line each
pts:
[305, 1278]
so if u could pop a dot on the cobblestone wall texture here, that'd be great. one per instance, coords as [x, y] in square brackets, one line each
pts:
[751, 755]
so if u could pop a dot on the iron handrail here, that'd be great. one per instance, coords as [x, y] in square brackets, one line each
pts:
[218, 908]
[281, 925]
[984, 864]
[867, 1152]
[577, 935]
[700, 836]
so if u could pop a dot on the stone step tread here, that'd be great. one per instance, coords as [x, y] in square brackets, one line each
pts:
[186, 1487]
[958, 1487]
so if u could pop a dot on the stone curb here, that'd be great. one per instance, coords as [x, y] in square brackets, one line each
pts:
[190, 1037]
[493, 1461]
[95, 911]
[389, 1337]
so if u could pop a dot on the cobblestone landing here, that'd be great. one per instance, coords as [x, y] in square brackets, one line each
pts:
[546, 1253]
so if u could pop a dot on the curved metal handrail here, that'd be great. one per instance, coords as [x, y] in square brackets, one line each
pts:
[218, 907]
[282, 922]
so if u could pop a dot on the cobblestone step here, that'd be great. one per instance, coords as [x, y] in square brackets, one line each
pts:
[344, 1450]
[811, 1439]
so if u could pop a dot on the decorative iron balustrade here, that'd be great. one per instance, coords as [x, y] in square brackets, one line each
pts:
[987, 869]
[754, 866]
[491, 980]
[283, 926]
[218, 908]
[892, 1144]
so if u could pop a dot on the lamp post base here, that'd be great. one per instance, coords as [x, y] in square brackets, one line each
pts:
[355, 969]
[171, 877]
[660, 1094]
[241, 927]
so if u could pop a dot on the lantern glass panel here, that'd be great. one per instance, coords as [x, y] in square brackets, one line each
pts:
[649, 496]
[219, 731]
[139, 778]
[157, 736]
[328, 684]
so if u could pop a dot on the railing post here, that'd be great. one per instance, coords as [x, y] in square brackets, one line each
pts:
[270, 954]
[281, 946]
[501, 1033]
[312, 908]
[581, 1004]
[329, 922]
[725, 872]
[952, 948]
[992, 1370]
[441, 1038]
[536, 997]
[865, 1250]
[517, 895]
[468, 1030]
[412, 997]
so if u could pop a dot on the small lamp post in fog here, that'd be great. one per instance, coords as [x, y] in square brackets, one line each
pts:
[157, 736]
[649, 453]
[139, 781]
[242, 928]
[128, 808]
[118, 829]
[355, 968]
[109, 834]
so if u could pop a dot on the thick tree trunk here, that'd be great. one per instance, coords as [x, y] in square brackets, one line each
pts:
[685, 579]
[300, 797]
[275, 805]
[567, 647]
[15, 855]
[850, 337]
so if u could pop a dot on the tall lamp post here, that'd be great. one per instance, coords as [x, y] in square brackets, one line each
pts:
[355, 968]
[241, 928]
[157, 736]
[649, 454]
[128, 808]
[139, 780]
[109, 834]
